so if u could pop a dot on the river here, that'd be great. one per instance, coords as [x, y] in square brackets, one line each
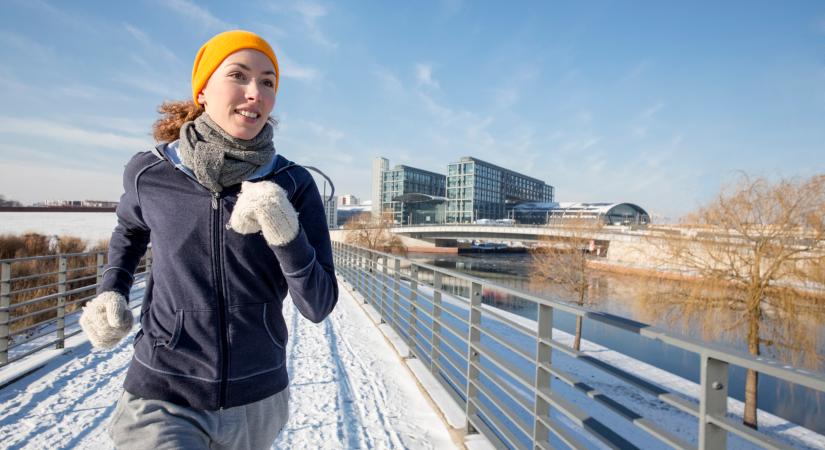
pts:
[619, 294]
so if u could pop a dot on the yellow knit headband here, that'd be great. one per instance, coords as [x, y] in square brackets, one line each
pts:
[212, 54]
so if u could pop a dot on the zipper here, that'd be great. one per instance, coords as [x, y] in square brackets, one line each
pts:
[218, 269]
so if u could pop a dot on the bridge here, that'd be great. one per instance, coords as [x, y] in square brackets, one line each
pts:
[517, 381]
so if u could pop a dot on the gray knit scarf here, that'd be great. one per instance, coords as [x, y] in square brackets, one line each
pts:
[218, 159]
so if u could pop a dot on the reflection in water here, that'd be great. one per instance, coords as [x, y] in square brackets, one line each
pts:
[630, 297]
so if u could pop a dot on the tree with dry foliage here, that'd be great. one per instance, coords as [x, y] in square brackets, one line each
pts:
[8, 202]
[365, 230]
[751, 262]
[564, 264]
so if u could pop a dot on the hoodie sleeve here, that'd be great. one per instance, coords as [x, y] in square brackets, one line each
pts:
[306, 261]
[131, 235]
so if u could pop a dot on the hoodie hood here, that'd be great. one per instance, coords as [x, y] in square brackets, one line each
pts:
[169, 152]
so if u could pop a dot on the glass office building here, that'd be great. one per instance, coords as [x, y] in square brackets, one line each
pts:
[479, 190]
[399, 182]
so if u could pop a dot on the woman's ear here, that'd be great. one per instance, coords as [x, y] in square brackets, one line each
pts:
[201, 99]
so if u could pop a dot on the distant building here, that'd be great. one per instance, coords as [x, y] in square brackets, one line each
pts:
[348, 199]
[331, 212]
[412, 195]
[379, 165]
[79, 203]
[98, 204]
[560, 213]
[479, 190]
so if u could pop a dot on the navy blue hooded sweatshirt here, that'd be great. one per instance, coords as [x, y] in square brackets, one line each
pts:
[212, 332]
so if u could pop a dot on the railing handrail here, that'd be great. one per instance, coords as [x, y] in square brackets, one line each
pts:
[56, 301]
[360, 266]
[713, 350]
[56, 255]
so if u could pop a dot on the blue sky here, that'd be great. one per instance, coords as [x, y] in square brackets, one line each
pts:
[657, 103]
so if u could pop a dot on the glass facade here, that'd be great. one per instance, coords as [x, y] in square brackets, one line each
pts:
[402, 180]
[480, 190]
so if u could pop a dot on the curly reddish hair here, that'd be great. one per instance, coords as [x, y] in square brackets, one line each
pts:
[173, 115]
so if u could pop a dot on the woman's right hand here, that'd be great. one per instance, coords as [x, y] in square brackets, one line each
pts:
[106, 319]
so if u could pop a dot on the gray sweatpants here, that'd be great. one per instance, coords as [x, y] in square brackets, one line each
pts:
[144, 424]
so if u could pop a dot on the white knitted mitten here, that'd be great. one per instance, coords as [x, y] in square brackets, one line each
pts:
[264, 206]
[106, 319]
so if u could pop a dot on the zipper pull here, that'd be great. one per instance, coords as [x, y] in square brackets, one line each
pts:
[215, 197]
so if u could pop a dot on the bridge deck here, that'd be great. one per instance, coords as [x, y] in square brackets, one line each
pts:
[348, 390]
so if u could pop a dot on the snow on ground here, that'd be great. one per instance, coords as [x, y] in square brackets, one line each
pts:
[348, 390]
[91, 226]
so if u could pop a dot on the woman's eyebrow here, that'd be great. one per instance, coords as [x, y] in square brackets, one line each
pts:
[245, 67]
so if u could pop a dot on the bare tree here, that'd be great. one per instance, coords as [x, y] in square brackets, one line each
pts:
[5, 202]
[368, 231]
[564, 264]
[751, 262]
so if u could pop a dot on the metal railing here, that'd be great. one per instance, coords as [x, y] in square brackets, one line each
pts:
[41, 299]
[479, 355]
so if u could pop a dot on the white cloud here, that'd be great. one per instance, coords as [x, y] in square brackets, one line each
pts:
[269, 30]
[424, 75]
[309, 15]
[652, 110]
[294, 70]
[153, 86]
[27, 46]
[389, 82]
[152, 47]
[505, 98]
[200, 15]
[86, 92]
[636, 71]
[68, 134]
[312, 13]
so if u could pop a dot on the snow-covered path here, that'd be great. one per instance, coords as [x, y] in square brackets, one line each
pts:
[348, 390]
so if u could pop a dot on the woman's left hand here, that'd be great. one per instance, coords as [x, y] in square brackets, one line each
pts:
[264, 206]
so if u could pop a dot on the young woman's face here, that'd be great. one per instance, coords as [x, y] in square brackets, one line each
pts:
[240, 94]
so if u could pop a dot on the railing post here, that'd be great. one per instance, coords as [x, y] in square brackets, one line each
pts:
[345, 262]
[435, 326]
[362, 275]
[412, 325]
[99, 264]
[61, 301]
[384, 288]
[544, 332]
[370, 271]
[473, 341]
[396, 278]
[714, 400]
[356, 264]
[5, 302]
[351, 266]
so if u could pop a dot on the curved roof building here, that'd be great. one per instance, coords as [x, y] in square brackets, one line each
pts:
[607, 213]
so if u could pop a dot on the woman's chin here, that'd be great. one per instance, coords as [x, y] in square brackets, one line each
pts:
[245, 133]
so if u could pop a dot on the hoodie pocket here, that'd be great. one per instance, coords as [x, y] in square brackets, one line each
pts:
[257, 336]
[192, 349]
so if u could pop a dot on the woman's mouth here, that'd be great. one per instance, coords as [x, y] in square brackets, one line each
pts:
[248, 116]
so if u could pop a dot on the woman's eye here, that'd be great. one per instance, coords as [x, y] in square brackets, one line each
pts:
[237, 75]
[269, 83]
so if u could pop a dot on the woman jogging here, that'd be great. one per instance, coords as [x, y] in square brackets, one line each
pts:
[233, 227]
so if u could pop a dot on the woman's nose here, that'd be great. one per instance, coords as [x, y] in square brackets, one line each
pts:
[252, 90]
